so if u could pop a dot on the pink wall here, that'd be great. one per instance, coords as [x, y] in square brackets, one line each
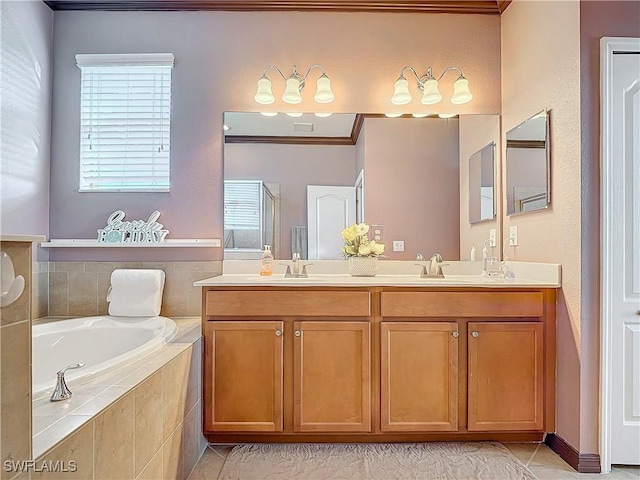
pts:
[219, 57]
[597, 19]
[26, 55]
[293, 167]
[412, 184]
[541, 69]
[476, 131]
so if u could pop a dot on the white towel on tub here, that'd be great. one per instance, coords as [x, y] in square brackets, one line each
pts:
[135, 292]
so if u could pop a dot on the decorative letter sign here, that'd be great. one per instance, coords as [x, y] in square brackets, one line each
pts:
[137, 231]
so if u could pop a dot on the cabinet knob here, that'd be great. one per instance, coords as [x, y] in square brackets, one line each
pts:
[474, 334]
[278, 333]
[455, 334]
[298, 333]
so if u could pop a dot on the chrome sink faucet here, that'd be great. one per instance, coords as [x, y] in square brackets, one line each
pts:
[293, 270]
[433, 268]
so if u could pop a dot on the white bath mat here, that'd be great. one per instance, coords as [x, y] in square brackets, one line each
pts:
[386, 461]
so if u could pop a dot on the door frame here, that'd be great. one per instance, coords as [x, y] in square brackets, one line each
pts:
[608, 47]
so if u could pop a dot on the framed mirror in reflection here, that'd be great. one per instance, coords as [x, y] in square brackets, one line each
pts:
[527, 166]
[482, 204]
[312, 176]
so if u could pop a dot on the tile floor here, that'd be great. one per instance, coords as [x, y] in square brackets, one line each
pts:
[542, 462]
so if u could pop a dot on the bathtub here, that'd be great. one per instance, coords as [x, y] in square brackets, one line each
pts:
[103, 343]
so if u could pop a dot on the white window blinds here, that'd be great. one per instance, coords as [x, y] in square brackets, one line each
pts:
[125, 121]
[242, 205]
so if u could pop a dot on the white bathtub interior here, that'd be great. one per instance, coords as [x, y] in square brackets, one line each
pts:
[103, 343]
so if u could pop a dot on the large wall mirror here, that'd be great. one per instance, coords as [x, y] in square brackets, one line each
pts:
[528, 165]
[482, 175]
[291, 183]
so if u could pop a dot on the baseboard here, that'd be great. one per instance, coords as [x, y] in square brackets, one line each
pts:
[581, 462]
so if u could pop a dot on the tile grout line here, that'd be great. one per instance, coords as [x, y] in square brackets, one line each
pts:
[533, 455]
[222, 467]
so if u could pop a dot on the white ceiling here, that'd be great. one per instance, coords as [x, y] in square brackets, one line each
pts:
[256, 124]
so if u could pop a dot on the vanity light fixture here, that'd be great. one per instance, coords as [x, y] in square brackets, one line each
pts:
[323, 115]
[419, 115]
[447, 115]
[294, 114]
[428, 85]
[269, 114]
[294, 85]
[393, 115]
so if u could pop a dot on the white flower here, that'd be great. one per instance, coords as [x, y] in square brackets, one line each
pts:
[364, 250]
[376, 248]
[357, 243]
[361, 228]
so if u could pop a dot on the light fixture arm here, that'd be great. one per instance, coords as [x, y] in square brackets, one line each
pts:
[429, 75]
[295, 74]
[273, 67]
[317, 65]
[456, 69]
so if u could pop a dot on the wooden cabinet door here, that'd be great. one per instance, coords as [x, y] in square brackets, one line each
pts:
[419, 376]
[505, 376]
[243, 376]
[332, 376]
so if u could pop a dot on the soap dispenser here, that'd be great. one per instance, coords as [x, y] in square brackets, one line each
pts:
[266, 261]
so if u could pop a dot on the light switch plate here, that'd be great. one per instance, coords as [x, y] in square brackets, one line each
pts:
[513, 236]
[398, 245]
[492, 237]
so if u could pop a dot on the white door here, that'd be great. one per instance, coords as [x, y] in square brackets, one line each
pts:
[329, 211]
[624, 269]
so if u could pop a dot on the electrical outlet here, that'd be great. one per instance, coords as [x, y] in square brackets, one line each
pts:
[398, 245]
[513, 236]
[377, 233]
[492, 237]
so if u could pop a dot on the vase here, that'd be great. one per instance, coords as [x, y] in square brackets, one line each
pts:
[363, 266]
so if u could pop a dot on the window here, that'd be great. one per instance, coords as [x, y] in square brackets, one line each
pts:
[125, 109]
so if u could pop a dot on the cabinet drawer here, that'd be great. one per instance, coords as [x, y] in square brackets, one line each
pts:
[287, 303]
[462, 304]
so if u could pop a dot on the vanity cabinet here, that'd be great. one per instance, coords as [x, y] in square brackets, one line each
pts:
[243, 376]
[505, 376]
[382, 363]
[419, 376]
[292, 361]
[332, 376]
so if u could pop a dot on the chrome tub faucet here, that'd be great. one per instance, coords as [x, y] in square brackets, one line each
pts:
[62, 392]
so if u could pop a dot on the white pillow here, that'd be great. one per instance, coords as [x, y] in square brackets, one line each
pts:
[136, 292]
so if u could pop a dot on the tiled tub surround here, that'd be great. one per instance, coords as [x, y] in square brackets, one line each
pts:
[40, 289]
[15, 364]
[142, 421]
[80, 288]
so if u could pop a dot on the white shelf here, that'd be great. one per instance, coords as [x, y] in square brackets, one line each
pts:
[173, 243]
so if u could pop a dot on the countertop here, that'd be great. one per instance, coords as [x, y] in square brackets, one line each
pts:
[390, 274]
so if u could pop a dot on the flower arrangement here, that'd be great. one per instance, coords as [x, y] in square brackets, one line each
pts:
[357, 243]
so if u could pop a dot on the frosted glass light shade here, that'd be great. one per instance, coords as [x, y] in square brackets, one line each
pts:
[461, 92]
[431, 93]
[401, 95]
[292, 91]
[264, 96]
[323, 91]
